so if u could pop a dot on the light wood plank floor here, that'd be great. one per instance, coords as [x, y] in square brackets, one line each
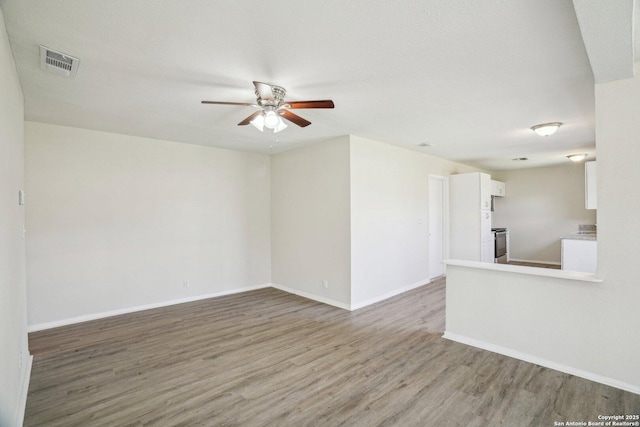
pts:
[267, 358]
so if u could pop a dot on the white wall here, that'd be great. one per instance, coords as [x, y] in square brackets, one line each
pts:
[541, 206]
[14, 355]
[564, 324]
[389, 217]
[617, 136]
[118, 221]
[588, 328]
[310, 226]
[352, 211]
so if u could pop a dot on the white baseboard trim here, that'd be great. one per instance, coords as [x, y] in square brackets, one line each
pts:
[390, 294]
[534, 261]
[95, 316]
[311, 296]
[24, 391]
[542, 362]
[308, 295]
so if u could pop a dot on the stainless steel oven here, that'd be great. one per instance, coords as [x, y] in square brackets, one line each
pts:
[500, 245]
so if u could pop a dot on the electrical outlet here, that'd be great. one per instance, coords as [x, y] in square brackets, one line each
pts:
[325, 284]
[185, 283]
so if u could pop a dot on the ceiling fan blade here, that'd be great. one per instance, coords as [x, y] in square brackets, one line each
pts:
[264, 90]
[246, 104]
[251, 117]
[294, 118]
[327, 103]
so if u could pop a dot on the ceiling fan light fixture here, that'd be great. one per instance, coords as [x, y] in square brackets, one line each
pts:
[258, 122]
[266, 120]
[546, 129]
[281, 126]
[271, 119]
[577, 157]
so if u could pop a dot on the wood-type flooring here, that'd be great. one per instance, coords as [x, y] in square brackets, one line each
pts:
[268, 358]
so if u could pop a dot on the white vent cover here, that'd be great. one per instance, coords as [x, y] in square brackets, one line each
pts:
[58, 62]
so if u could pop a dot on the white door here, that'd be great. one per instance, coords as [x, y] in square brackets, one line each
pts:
[436, 225]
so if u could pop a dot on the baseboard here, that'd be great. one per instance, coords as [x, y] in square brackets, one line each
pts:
[535, 262]
[95, 316]
[542, 362]
[24, 391]
[311, 296]
[308, 295]
[390, 294]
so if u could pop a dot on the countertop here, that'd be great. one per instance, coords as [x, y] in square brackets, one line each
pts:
[581, 236]
[532, 271]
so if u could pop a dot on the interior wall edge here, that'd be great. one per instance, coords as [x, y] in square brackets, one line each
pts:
[540, 361]
[24, 391]
[391, 294]
[111, 313]
[311, 296]
[287, 289]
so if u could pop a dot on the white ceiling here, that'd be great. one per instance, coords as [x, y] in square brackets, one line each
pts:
[469, 76]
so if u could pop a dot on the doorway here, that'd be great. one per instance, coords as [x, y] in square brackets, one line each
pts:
[437, 224]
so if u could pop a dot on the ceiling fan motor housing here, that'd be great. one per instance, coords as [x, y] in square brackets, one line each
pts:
[278, 97]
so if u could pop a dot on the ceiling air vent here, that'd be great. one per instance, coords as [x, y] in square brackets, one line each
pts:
[58, 62]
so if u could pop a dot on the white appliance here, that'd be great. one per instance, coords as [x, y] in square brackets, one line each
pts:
[470, 217]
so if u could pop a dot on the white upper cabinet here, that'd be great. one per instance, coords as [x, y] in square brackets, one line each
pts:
[498, 188]
[590, 195]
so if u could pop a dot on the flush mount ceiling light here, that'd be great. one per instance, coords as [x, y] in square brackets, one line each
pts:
[546, 129]
[577, 157]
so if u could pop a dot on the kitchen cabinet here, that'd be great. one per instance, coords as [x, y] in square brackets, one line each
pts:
[498, 188]
[590, 194]
[470, 217]
[579, 255]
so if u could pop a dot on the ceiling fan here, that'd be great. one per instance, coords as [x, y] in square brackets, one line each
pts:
[272, 108]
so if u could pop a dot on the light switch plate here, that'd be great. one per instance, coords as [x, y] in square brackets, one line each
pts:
[21, 197]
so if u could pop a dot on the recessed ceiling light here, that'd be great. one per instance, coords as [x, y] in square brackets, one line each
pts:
[577, 157]
[424, 144]
[520, 159]
[546, 129]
